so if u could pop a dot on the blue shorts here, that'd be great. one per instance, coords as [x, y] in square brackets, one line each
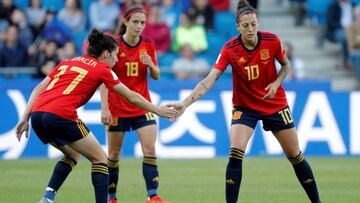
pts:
[280, 120]
[52, 128]
[123, 124]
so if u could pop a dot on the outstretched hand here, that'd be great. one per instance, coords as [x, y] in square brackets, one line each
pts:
[21, 127]
[272, 89]
[167, 111]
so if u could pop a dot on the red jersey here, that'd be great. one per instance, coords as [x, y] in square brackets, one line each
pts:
[133, 74]
[73, 82]
[252, 71]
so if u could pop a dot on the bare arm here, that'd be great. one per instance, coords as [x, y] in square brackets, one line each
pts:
[154, 70]
[106, 117]
[138, 100]
[284, 71]
[23, 125]
[202, 87]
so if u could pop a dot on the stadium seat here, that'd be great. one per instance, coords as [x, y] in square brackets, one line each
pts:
[78, 38]
[165, 61]
[355, 1]
[21, 3]
[215, 43]
[225, 24]
[53, 4]
[317, 11]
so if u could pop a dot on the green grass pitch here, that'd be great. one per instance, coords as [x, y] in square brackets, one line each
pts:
[265, 179]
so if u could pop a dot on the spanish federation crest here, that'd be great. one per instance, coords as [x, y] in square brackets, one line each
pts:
[264, 54]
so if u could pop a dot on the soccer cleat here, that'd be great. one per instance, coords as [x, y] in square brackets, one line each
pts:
[45, 200]
[155, 199]
[112, 201]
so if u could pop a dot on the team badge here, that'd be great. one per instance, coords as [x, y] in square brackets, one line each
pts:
[142, 51]
[264, 54]
[122, 54]
[237, 115]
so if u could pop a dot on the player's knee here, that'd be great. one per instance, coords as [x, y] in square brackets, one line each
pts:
[98, 158]
[149, 150]
[114, 155]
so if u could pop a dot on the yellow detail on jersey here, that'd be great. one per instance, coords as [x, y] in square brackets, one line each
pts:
[253, 72]
[237, 115]
[264, 54]
[123, 54]
[242, 60]
[132, 68]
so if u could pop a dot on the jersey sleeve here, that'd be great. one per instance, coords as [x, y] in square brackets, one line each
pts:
[109, 78]
[279, 52]
[222, 60]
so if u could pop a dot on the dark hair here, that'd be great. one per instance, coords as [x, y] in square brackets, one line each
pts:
[127, 15]
[244, 7]
[99, 42]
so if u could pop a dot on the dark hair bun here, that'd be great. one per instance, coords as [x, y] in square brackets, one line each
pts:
[94, 37]
[242, 4]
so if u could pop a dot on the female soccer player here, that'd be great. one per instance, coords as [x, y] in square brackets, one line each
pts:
[136, 56]
[53, 103]
[257, 95]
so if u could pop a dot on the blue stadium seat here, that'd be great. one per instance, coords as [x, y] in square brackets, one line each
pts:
[225, 24]
[317, 10]
[85, 4]
[22, 3]
[215, 43]
[78, 38]
[355, 1]
[53, 4]
[165, 60]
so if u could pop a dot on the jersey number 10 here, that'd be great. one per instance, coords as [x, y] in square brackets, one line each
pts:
[252, 71]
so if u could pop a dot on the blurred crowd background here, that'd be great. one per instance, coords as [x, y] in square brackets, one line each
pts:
[321, 37]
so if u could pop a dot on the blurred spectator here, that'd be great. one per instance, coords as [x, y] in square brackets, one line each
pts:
[338, 19]
[184, 5]
[72, 15]
[55, 30]
[188, 33]
[67, 51]
[203, 13]
[220, 5]
[103, 14]
[13, 53]
[299, 11]
[157, 30]
[297, 65]
[46, 59]
[170, 13]
[18, 18]
[188, 66]
[36, 16]
[128, 3]
[6, 9]
[354, 41]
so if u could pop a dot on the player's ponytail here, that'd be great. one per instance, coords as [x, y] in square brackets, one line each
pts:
[127, 15]
[244, 7]
[99, 42]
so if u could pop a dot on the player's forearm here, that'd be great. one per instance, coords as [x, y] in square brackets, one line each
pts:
[201, 89]
[34, 94]
[104, 97]
[141, 102]
[284, 71]
[154, 72]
